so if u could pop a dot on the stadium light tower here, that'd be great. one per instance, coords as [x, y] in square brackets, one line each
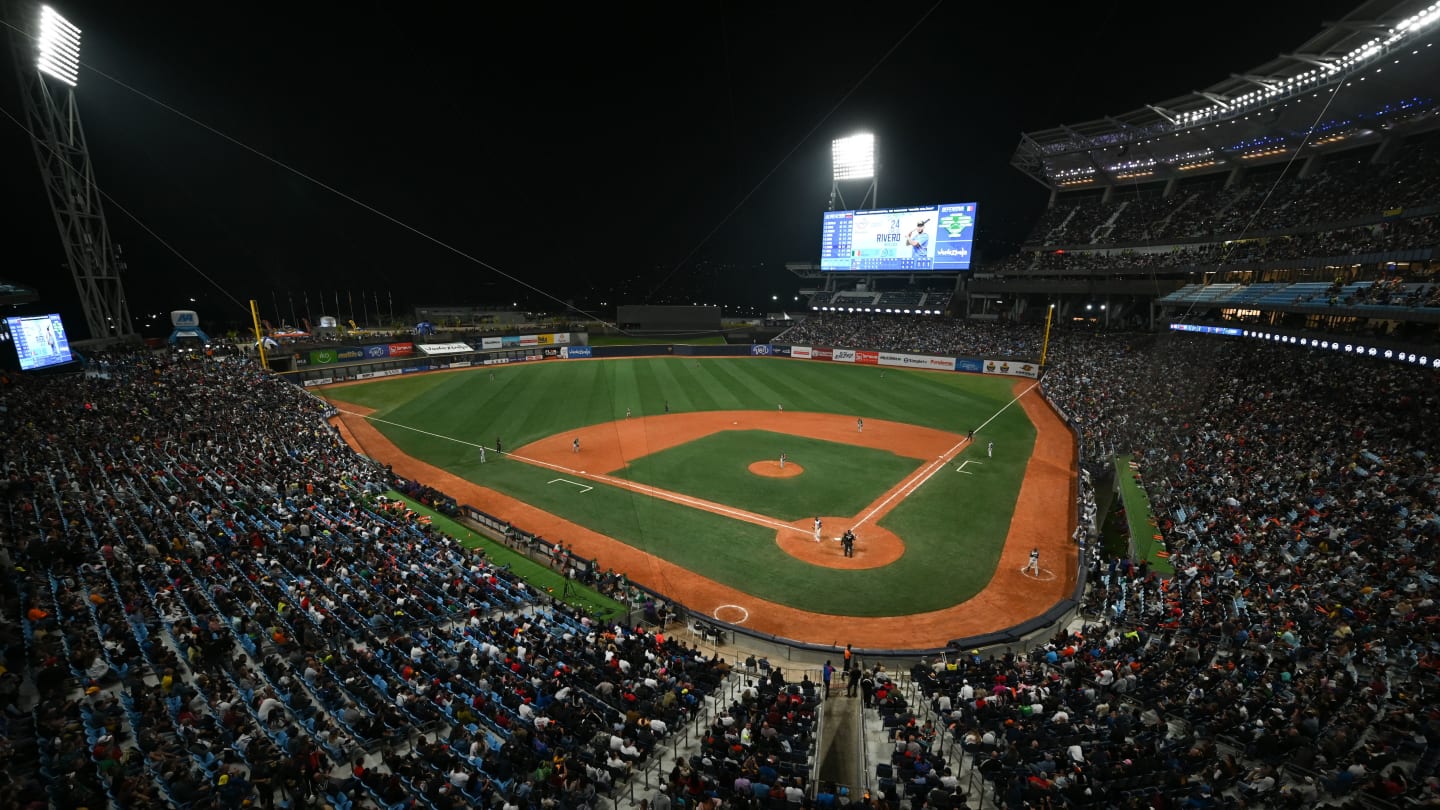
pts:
[48, 86]
[855, 157]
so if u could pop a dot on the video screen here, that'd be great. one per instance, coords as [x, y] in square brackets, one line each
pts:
[40, 341]
[936, 237]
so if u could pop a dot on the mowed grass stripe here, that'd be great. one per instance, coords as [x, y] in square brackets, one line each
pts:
[839, 479]
[717, 395]
[752, 392]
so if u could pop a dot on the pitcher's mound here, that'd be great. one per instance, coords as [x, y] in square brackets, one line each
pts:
[874, 546]
[771, 469]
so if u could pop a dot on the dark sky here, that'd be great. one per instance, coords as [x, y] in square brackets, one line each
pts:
[586, 150]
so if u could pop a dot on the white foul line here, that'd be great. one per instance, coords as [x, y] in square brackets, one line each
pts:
[935, 466]
[674, 497]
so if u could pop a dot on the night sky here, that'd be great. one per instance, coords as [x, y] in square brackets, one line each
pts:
[588, 151]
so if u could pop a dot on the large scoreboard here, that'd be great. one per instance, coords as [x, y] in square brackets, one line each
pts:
[934, 237]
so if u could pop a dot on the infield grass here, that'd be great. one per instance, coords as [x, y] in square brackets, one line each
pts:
[839, 479]
[954, 526]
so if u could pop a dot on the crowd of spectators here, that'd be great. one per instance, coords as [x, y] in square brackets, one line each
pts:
[1293, 657]
[214, 602]
[209, 601]
[1347, 187]
[915, 334]
[1390, 235]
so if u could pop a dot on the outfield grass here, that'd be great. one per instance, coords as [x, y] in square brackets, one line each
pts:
[839, 479]
[954, 526]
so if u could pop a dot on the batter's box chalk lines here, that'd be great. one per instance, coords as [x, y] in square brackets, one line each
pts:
[584, 488]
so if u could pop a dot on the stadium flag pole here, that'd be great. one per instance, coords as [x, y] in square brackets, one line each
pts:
[259, 338]
[1045, 346]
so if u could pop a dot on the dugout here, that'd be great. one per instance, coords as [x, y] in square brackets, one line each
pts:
[676, 321]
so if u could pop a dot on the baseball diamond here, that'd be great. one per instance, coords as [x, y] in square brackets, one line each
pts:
[677, 506]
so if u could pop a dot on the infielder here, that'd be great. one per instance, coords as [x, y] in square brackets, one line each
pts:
[1034, 566]
[859, 425]
[575, 445]
[990, 450]
[818, 524]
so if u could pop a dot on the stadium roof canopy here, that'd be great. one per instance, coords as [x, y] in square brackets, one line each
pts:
[1373, 73]
[16, 294]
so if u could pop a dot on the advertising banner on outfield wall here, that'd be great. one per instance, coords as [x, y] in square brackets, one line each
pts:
[560, 338]
[349, 355]
[401, 349]
[780, 351]
[973, 365]
[370, 375]
[868, 358]
[917, 361]
[510, 340]
[844, 355]
[377, 352]
[760, 349]
[322, 357]
[575, 352]
[802, 352]
[443, 348]
[490, 343]
[1012, 368]
[529, 340]
[319, 381]
[817, 353]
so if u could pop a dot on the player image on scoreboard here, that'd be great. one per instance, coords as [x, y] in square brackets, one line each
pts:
[892, 238]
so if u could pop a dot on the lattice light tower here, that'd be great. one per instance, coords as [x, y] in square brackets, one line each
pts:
[48, 87]
[855, 157]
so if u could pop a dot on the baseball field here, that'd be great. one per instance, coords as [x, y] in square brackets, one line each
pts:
[669, 469]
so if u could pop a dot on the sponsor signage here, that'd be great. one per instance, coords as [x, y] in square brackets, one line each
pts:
[867, 358]
[346, 355]
[401, 349]
[561, 338]
[802, 352]
[442, 348]
[529, 340]
[970, 364]
[844, 355]
[1012, 368]
[575, 352]
[319, 381]
[544, 340]
[760, 349]
[510, 340]
[459, 364]
[817, 353]
[490, 343]
[376, 352]
[496, 361]
[780, 351]
[370, 375]
[917, 361]
[322, 357]
[551, 352]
